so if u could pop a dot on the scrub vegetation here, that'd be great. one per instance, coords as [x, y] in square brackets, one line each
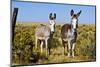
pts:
[24, 52]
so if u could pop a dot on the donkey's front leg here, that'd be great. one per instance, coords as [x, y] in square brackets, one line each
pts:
[73, 49]
[69, 48]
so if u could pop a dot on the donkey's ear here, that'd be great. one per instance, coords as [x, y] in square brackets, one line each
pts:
[50, 16]
[72, 12]
[78, 14]
[54, 15]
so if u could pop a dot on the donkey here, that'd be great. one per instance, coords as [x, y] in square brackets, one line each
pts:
[44, 32]
[69, 33]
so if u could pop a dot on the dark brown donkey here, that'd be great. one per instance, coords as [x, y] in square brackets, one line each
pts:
[69, 33]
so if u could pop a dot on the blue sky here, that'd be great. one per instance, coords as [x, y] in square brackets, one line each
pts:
[39, 12]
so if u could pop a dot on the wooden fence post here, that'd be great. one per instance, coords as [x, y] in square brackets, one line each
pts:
[14, 17]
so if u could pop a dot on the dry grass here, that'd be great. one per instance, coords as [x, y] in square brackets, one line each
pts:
[24, 46]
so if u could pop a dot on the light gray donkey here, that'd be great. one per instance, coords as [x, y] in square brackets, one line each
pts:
[69, 33]
[44, 32]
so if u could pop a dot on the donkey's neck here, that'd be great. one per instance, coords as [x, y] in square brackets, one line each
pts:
[73, 27]
[52, 27]
[51, 35]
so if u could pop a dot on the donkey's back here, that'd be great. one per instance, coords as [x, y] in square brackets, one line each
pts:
[42, 31]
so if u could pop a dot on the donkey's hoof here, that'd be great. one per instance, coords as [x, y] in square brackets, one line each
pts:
[73, 56]
[68, 55]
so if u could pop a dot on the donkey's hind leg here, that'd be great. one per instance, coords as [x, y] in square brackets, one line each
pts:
[41, 46]
[49, 45]
[46, 43]
[63, 46]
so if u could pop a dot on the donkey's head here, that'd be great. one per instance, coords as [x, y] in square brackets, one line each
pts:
[74, 18]
[52, 21]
